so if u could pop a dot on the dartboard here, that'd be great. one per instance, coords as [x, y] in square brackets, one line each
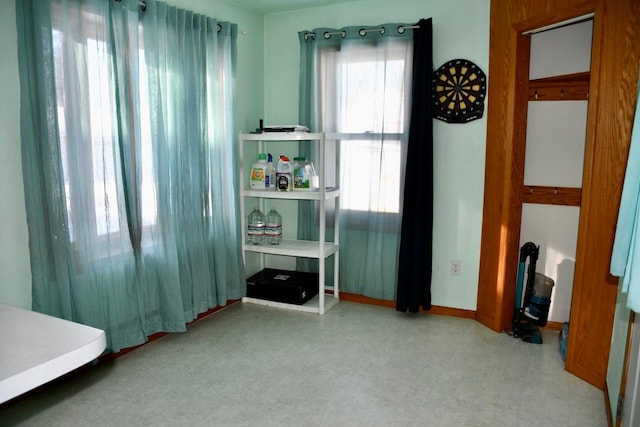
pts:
[459, 89]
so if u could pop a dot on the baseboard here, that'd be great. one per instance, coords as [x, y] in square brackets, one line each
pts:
[445, 311]
[109, 356]
[553, 326]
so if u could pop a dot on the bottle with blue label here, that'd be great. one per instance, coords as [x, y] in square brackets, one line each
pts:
[270, 174]
[304, 175]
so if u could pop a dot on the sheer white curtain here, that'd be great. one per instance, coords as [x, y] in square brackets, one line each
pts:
[127, 132]
[360, 86]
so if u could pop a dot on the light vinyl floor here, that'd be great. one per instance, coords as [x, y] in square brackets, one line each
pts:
[358, 365]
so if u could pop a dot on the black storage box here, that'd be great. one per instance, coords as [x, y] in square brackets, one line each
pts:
[292, 287]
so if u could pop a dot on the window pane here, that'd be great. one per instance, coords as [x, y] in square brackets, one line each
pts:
[102, 149]
[371, 175]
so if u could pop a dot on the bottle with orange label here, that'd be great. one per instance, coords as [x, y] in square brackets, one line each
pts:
[284, 181]
[258, 172]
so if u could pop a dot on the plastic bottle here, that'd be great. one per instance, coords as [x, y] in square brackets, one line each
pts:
[255, 227]
[257, 180]
[273, 227]
[270, 175]
[283, 175]
[304, 175]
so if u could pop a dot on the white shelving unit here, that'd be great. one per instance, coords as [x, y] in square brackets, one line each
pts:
[321, 249]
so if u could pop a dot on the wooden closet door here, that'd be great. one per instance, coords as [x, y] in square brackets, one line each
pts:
[614, 72]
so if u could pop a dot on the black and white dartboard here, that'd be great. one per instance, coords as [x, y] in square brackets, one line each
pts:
[459, 89]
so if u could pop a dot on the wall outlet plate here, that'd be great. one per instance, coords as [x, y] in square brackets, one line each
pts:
[455, 267]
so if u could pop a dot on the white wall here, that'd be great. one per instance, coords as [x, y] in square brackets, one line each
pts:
[15, 271]
[556, 133]
[460, 30]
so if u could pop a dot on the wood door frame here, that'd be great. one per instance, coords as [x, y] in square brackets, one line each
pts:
[614, 72]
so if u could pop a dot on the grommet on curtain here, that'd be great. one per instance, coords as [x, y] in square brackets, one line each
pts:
[328, 34]
[219, 27]
[309, 34]
[402, 28]
[363, 32]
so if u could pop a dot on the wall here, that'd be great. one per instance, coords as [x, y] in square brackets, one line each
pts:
[460, 30]
[619, 337]
[15, 272]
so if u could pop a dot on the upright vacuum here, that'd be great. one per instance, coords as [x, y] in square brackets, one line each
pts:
[532, 308]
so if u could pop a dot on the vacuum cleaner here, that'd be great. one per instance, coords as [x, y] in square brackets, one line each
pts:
[533, 297]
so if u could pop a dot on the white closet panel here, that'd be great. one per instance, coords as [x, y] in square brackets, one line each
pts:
[555, 230]
[556, 132]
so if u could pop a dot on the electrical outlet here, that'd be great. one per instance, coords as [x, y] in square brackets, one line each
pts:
[455, 267]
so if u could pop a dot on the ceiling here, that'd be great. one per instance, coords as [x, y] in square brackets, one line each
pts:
[275, 6]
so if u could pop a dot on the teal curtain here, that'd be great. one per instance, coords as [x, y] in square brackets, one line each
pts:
[357, 81]
[128, 150]
[625, 259]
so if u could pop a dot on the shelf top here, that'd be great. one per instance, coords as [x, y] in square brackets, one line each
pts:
[281, 136]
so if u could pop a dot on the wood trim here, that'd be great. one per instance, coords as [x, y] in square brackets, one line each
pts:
[613, 79]
[444, 311]
[562, 196]
[554, 326]
[571, 87]
[614, 74]
[110, 356]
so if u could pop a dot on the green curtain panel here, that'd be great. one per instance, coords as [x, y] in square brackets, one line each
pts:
[128, 145]
[356, 81]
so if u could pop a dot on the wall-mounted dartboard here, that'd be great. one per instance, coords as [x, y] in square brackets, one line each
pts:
[459, 89]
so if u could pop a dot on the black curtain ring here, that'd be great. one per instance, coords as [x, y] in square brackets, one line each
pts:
[401, 29]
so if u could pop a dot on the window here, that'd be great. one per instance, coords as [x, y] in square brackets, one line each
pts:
[89, 144]
[370, 110]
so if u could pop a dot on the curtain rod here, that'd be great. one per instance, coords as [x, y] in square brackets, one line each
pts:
[363, 31]
[576, 20]
[143, 6]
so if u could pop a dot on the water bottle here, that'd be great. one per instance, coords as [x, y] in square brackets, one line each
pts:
[255, 227]
[273, 227]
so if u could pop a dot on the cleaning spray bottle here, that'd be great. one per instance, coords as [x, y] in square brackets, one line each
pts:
[270, 174]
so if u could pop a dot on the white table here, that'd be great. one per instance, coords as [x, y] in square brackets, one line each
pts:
[36, 348]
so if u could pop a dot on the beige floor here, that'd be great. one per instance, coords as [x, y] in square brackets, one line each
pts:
[358, 365]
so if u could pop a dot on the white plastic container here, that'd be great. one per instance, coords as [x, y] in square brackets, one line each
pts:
[304, 175]
[258, 173]
[284, 178]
